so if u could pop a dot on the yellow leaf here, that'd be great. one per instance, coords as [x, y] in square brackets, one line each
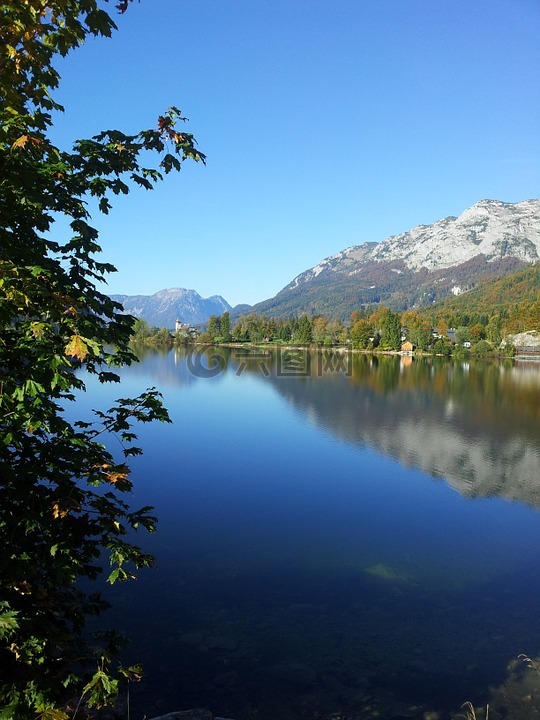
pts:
[77, 348]
[20, 142]
[62, 507]
[57, 511]
[15, 650]
[23, 141]
[119, 475]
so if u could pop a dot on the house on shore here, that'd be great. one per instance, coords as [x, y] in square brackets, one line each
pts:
[407, 348]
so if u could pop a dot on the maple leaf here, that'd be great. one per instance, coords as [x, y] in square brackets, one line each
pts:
[119, 475]
[62, 507]
[20, 142]
[77, 348]
[23, 141]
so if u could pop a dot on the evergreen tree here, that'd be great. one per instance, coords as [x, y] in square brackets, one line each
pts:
[304, 334]
[214, 327]
[225, 324]
[391, 331]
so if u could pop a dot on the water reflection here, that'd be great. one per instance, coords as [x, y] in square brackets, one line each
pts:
[306, 567]
[474, 424]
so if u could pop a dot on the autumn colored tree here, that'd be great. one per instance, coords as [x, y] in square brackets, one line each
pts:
[478, 332]
[361, 334]
[336, 332]
[378, 318]
[251, 327]
[272, 328]
[356, 315]
[62, 512]
[442, 327]
[319, 329]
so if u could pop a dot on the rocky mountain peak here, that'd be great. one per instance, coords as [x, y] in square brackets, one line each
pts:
[421, 265]
[166, 306]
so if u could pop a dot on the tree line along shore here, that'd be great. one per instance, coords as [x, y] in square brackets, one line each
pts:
[378, 329]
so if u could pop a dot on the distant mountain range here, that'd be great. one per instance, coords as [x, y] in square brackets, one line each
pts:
[166, 306]
[414, 269]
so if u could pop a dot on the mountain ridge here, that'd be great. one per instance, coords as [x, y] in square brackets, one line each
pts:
[164, 307]
[418, 267]
[413, 269]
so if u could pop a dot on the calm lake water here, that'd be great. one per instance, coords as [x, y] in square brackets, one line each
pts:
[355, 537]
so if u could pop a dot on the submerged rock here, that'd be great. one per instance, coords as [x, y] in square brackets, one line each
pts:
[385, 572]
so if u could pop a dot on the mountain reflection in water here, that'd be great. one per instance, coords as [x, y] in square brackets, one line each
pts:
[308, 565]
[475, 424]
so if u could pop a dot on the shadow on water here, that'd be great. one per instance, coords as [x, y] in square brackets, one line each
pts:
[314, 557]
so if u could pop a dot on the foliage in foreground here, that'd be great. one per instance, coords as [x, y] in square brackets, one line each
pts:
[62, 509]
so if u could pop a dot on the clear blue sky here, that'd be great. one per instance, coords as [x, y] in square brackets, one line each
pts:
[326, 124]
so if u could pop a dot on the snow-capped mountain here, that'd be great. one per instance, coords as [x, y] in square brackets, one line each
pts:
[420, 266]
[491, 228]
[166, 306]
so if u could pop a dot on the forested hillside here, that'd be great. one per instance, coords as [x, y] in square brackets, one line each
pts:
[514, 298]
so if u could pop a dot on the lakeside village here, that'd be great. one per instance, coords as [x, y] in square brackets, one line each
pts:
[381, 330]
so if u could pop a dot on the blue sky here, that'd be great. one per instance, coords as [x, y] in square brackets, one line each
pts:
[326, 124]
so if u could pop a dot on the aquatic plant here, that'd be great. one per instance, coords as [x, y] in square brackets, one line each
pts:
[470, 712]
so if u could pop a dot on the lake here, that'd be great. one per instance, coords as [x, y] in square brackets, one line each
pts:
[339, 535]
